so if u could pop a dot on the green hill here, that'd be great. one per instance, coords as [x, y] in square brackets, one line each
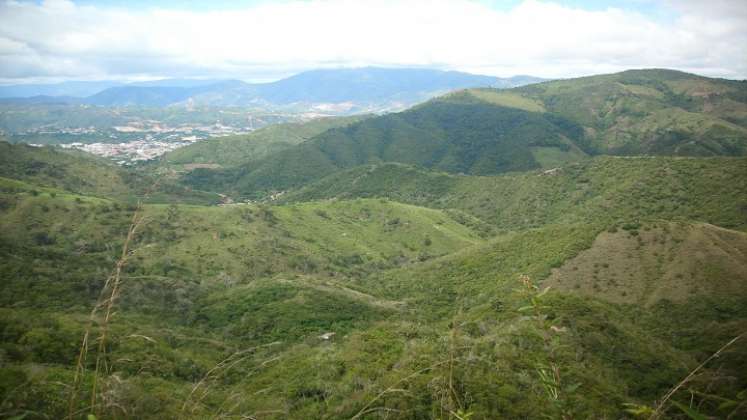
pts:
[610, 189]
[654, 261]
[234, 150]
[653, 111]
[458, 136]
[488, 131]
[83, 173]
[235, 299]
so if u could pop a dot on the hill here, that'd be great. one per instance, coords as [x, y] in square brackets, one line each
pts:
[654, 261]
[225, 301]
[608, 189]
[458, 135]
[478, 256]
[649, 111]
[234, 150]
[83, 173]
[486, 132]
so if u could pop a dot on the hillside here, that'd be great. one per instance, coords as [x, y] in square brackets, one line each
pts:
[412, 295]
[608, 189]
[83, 173]
[486, 132]
[649, 111]
[230, 151]
[654, 261]
[487, 254]
[458, 136]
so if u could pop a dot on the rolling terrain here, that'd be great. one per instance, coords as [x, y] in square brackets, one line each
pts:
[235, 150]
[86, 174]
[487, 254]
[486, 132]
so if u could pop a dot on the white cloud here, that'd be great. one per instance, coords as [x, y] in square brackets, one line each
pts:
[59, 39]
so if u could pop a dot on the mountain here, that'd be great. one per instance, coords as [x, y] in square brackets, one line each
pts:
[69, 91]
[168, 94]
[359, 88]
[370, 85]
[42, 100]
[78, 89]
[489, 131]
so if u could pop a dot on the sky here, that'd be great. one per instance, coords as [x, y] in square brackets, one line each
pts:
[263, 40]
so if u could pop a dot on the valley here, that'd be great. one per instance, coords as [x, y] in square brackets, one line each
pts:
[564, 249]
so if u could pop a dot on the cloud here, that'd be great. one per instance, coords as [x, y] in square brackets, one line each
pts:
[59, 39]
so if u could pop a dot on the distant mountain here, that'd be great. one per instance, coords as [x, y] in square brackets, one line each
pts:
[183, 83]
[78, 89]
[160, 95]
[70, 91]
[41, 100]
[370, 84]
[336, 91]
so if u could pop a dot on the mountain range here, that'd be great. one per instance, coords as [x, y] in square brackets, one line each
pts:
[348, 89]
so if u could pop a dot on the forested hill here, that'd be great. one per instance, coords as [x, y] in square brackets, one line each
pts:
[488, 131]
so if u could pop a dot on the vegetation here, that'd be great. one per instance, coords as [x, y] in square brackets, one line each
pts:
[83, 173]
[488, 131]
[605, 189]
[603, 287]
[240, 149]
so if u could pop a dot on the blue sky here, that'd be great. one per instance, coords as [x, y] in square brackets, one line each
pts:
[264, 40]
